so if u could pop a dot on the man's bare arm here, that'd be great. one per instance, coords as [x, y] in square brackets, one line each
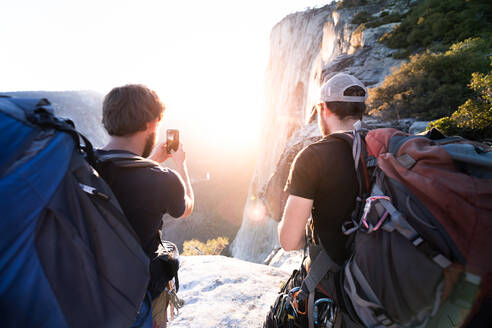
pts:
[179, 158]
[189, 197]
[291, 229]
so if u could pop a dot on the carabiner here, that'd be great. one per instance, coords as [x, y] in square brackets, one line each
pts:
[330, 307]
[367, 209]
[295, 303]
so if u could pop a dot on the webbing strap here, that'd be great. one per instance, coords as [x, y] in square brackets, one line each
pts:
[364, 284]
[397, 221]
[43, 116]
[357, 145]
[310, 309]
[352, 274]
[318, 269]
[385, 321]
[351, 290]
[108, 157]
[127, 160]
[406, 160]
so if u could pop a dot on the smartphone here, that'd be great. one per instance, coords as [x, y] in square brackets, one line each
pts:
[172, 140]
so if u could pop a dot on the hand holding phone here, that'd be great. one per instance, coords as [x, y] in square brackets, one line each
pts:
[172, 140]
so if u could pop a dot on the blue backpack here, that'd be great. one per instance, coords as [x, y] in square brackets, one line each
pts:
[68, 256]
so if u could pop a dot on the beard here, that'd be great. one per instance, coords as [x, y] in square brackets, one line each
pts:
[149, 145]
[323, 126]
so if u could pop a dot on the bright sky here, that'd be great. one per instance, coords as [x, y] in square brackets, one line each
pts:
[206, 59]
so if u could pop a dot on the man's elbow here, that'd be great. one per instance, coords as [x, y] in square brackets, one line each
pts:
[188, 209]
[291, 228]
[288, 245]
[186, 213]
[287, 242]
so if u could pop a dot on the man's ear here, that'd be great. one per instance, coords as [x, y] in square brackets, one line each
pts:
[327, 111]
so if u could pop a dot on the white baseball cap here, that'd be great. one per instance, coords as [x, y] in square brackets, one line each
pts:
[334, 88]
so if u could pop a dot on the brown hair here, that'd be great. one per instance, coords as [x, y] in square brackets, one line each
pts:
[349, 109]
[128, 109]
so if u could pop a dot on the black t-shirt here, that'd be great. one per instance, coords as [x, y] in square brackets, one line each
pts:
[324, 172]
[145, 194]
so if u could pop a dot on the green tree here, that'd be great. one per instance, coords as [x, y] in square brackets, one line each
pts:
[350, 3]
[361, 17]
[430, 85]
[473, 119]
[436, 24]
[211, 247]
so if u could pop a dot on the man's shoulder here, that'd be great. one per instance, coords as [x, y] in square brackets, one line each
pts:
[164, 173]
[330, 141]
[317, 150]
[127, 164]
[123, 158]
[327, 144]
[329, 152]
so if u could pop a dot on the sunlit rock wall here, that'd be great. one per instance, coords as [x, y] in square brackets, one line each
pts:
[306, 49]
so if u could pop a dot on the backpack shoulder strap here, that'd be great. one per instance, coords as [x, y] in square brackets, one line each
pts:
[39, 112]
[346, 136]
[318, 269]
[126, 160]
[356, 140]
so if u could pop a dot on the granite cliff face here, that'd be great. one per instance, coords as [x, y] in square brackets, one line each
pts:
[306, 49]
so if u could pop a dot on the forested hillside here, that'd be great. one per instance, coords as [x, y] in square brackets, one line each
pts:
[448, 76]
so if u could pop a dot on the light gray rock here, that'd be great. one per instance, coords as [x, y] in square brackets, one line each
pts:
[418, 127]
[306, 49]
[293, 45]
[288, 261]
[220, 291]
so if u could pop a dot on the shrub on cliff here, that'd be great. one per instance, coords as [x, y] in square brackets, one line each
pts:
[437, 24]
[361, 17]
[370, 21]
[350, 3]
[473, 119]
[384, 19]
[431, 85]
[211, 247]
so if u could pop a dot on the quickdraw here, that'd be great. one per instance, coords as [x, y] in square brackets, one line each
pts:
[295, 302]
[324, 310]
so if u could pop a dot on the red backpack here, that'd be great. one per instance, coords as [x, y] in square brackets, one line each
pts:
[421, 231]
[423, 234]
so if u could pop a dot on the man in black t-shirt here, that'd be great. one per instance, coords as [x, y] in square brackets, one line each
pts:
[322, 181]
[145, 194]
[131, 115]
